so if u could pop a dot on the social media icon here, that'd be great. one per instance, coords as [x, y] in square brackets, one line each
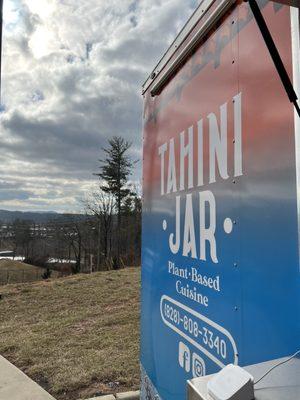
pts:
[184, 357]
[198, 366]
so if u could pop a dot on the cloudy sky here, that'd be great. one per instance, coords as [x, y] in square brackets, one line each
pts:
[72, 75]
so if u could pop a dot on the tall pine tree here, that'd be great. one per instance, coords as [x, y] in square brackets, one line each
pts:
[114, 173]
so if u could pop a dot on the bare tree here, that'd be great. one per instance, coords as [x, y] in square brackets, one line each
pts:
[22, 236]
[70, 231]
[101, 205]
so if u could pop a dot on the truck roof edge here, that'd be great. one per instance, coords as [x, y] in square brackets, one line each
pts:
[159, 73]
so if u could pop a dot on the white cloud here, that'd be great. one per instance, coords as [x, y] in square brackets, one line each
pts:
[72, 78]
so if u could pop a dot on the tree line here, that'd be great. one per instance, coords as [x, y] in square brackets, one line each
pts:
[106, 236]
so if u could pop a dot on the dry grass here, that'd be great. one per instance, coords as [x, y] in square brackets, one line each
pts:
[76, 336]
[5, 263]
[12, 271]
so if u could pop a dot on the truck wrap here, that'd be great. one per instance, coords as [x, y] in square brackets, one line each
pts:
[220, 245]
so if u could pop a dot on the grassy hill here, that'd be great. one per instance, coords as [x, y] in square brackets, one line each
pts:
[12, 271]
[76, 336]
[16, 265]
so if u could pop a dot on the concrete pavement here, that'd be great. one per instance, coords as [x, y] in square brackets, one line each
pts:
[15, 385]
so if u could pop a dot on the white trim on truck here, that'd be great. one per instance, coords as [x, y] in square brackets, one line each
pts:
[296, 83]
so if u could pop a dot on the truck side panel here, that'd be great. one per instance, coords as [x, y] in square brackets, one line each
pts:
[220, 265]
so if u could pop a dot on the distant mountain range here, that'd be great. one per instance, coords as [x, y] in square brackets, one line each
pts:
[37, 216]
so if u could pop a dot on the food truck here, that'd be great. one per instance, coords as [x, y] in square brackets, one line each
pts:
[221, 187]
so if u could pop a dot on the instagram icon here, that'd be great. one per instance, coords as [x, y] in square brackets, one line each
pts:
[198, 366]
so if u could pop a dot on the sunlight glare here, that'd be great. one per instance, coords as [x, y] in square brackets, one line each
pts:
[40, 42]
[41, 7]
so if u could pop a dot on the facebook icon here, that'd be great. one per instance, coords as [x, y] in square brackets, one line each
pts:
[184, 356]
